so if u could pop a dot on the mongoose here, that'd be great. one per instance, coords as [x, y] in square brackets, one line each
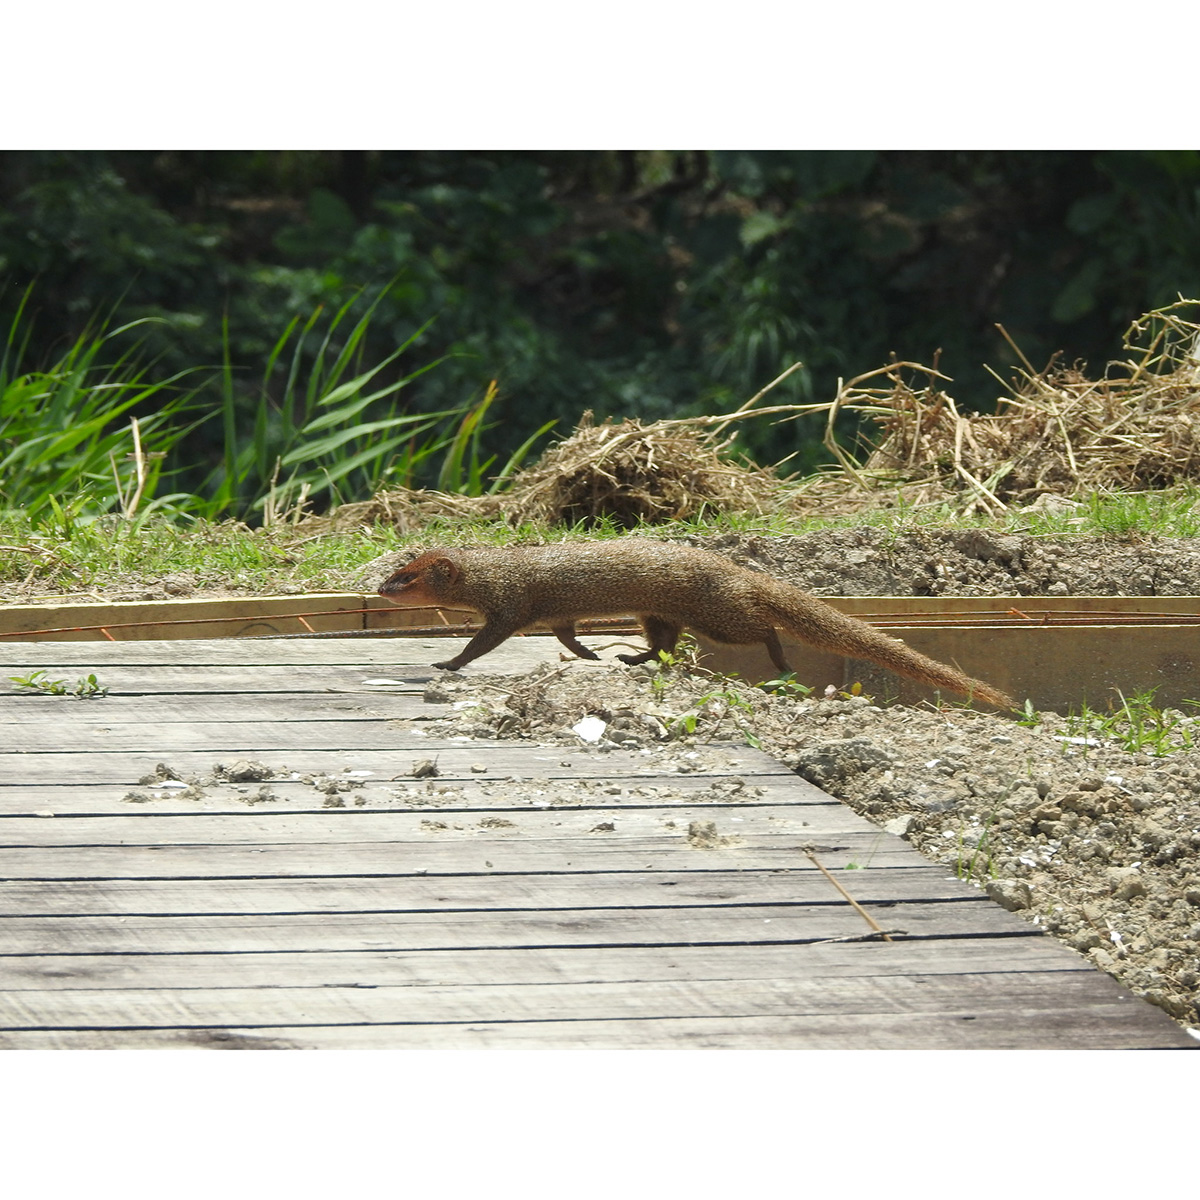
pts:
[666, 585]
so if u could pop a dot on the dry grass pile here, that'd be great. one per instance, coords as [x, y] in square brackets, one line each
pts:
[408, 509]
[627, 472]
[1056, 432]
[630, 473]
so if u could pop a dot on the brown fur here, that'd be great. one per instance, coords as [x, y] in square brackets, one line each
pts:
[668, 586]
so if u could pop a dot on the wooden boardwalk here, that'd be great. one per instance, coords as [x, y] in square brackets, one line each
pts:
[446, 912]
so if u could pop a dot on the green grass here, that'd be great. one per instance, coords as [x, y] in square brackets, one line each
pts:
[96, 433]
[1135, 724]
[57, 554]
[72, 442]
[327, 427]
[109, 555]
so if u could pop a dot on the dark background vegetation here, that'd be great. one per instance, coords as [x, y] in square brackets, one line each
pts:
[650, 283]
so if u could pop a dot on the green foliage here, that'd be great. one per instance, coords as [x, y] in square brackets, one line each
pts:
[652, 283]
[1135, 724]
[787, 687]
[71, 445]
[1163, 514]
[974, 858]
[311, 428]
[86, 688]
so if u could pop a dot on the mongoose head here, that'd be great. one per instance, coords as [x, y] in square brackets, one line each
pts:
[428, 579]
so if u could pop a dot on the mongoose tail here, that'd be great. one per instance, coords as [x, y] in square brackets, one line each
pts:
[666, 585]
[821, 625]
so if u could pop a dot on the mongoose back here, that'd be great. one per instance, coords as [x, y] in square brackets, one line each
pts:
[666, 585]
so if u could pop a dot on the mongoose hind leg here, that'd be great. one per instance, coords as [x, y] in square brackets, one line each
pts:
[662, 636]
[566, 635]
[775, 650]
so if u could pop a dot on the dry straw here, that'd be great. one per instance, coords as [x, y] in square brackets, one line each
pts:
[1054, 432]
[628, 472]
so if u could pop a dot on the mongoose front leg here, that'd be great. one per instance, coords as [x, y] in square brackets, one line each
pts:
[488, 638]
[566, 635]
[662, 636]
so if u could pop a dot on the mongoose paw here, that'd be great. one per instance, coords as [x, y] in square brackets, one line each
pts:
[450, 665]
[635, 660]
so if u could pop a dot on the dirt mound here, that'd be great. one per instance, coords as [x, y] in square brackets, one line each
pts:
[868, 561]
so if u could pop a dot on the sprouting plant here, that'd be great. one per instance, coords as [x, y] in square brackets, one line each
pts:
[37, 681]
[86, 688]
[787, 687]
[89, 688]
[1136, 724]
[977, 859]
[871, 851]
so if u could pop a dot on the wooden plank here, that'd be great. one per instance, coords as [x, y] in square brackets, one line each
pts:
[462, 930]
[454, 759]
[1053, 666]
[1116, 1025]
[241, 616]
[614, 928]
[371, 705]
[480, 794]
[153, 679]
[497, 799]
[539, 964]
[517, 654]
[121, 897]
[214, 737]
[1003, 999]
[443, 857]
[415, 828]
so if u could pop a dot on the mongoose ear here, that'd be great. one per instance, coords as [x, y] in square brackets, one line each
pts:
[446, 566]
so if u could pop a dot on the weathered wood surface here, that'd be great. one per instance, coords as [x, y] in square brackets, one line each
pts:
[417, 893]
[561, 897]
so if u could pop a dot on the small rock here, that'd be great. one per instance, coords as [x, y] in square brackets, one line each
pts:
[836, 761]
[1013, 894]
[900, 825]
[1125, 882]
[245, 771]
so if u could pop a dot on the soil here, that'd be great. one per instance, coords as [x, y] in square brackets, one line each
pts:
[1095, 843]
[868, 561]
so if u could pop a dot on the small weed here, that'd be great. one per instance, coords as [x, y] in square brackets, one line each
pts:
[787, 687]
[715, 704]
[1136, 724]
[86, 688]
[89, 688]
[976, 861]
[36, 681]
